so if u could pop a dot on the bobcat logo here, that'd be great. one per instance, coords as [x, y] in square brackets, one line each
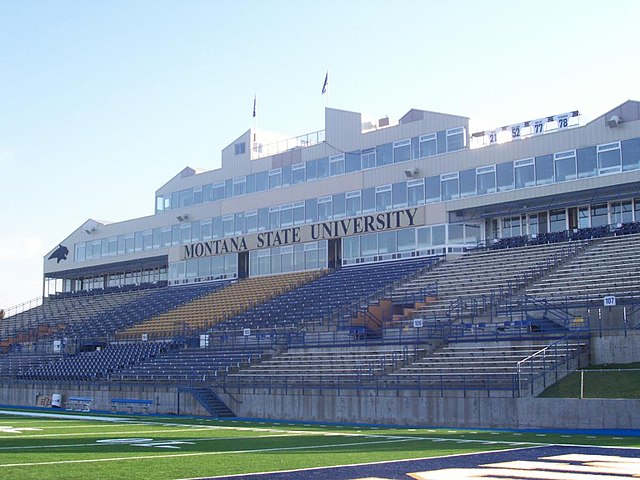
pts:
[60, 253]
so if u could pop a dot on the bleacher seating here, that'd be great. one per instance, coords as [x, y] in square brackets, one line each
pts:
[327, 366]
[219, 305]
[97, 314]
[609, 267]
[189, 364]
[96, 364]
[467, 279]
[314, 303]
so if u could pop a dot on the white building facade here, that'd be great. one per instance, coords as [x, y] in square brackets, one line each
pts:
[360, 192]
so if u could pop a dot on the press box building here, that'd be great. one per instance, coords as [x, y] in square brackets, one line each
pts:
[364, 191]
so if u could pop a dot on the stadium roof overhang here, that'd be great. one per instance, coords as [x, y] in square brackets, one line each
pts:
[515, 202]
[112, 268]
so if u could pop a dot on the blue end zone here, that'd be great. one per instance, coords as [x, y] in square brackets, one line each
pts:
[400, 470]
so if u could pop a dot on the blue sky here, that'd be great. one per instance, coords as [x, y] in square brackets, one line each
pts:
[102, 102]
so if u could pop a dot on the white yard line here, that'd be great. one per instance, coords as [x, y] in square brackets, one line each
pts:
[198, 454]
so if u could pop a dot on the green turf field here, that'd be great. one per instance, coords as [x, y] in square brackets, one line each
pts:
[72, 447]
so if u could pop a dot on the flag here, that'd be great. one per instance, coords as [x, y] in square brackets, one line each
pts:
[325, 84]
[254, 106]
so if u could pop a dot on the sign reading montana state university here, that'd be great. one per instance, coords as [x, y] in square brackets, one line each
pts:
[375, 222]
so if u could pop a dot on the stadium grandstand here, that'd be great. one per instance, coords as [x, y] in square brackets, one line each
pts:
[401, 272]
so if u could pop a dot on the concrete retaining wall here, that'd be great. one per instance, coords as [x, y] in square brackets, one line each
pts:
[459, 412]
[615, 348]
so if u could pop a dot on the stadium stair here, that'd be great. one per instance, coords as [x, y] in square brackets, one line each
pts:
[210, 402]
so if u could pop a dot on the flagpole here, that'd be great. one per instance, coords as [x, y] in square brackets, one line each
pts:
[255, 121]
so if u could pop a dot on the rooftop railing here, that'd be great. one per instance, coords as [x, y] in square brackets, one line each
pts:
[301, 141]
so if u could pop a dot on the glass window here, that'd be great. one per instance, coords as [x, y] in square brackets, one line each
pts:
[428, 145]
[207, 193]
[432, 189]
[468, 182]
[399, 194]
[239, 221]
[205, 229]
[298, 213]
[387, 242]
[369, 200]
[239, 186]
[524, 173]
[449, 185]
[587, 162]
[406, 239]
[239, 148]
[275, 178]
[415, 192]
[197, 195]
[558, 220]
[423, 235]
[455, 139]
[250, 183]
[80, 250]
[384, 154]
[339, 205]
[165, 236]
[336, 165]
[383, 198]
[251, 221]
[263, 219]
[138, 241]
[609, 159]
[583, 217]
[186, 198]
[504, 176]
[228, 227]
[352, 162]
[472, 234]
[456, 233]
[274, 218]
[185, 233]
[146, 240]
[323, 167]
[324, 208]
[312, 170]
[286, 215]
[438, 235]
[369, 158]
[311, 210]
[286, 256]
[486, 179]
[129, 242]
[565, 166]
[175, 234]
[402, 150]
[298, 173]
[195, 231]
[216, 227]
[544, 169]
[442, 141]
[228, 188]
[353, 206]
[351, 247]
[631, 154]
[204, 267]
[369, 244]
[218, 191]
[621, 212]
[286, 175]
[262, 181]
